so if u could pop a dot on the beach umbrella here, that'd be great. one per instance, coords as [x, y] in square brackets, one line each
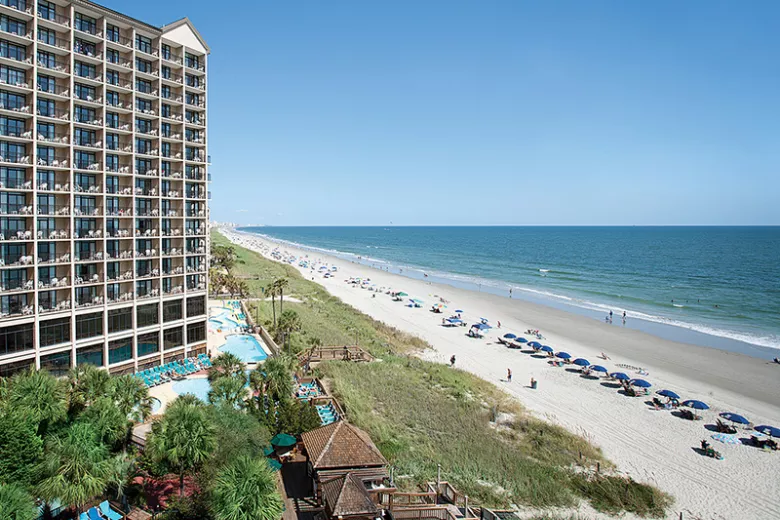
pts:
[401, 294]
[620, 376]
[668, 393]
[521, 340]
[581, 362]
[597, 368]
[563, 355]
[268, 451]
[545, 348]
[509, 336]
[535, 344]
[460, 311]
[641, 383]
[484, 320]
[275, 464]
[726, 438]
[733, 417]
[696, 405]
[283, 440]
[768, 430]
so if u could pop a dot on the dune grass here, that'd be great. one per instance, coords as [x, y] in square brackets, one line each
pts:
[422, 414]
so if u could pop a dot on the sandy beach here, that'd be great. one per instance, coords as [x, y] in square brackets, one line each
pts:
[650, 445]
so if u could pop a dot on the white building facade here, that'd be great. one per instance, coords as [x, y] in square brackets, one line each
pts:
[103, 188]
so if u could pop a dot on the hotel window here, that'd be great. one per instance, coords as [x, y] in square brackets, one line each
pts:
[46, 225]
[12, 50]
[85, 181]
[12, 152]
[83, 160]
[12, 177]
[84, 47]
[12, 101]
[143, 65]
[47, 36]
[47, 59]
[143, 105]
[119, 320]
[46, 130]
[89, 325]
[84, 92]
[143, 86]
[46, 83]
[143, 145]
[142, 166]
[143, 44]
[173, 338]
[166, 149]
[13, 25]
[165, 129]
[91, 355]
[120, 350]
[54, 332]
[165, 171]
[12, 76]
[13, 304]
[112, 98]
[196, 306]
[16, 339]
[57, 364]
[192, 61]
[112, 33]
[148, 315]
[46, 108]
[166, 51]
[112, 163]
[112, 56]
[86, 24]
[9, 369]
[143, 125]
[47, 10]
[112, 142]
[11, 127]
[165, 72]
[112, 77]
[84, 114]
[165, 91]
[148, 343]
[85, 70]
[85, 138]
[112, 120]
[166, 110]
[196, 332]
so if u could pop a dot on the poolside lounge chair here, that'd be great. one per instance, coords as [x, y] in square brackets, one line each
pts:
[94, 514]
[83, 516]
[108, 512]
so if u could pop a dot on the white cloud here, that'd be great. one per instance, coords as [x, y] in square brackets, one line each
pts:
[242, 211]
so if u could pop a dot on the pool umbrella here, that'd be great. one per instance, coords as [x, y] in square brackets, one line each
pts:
[736, 418]
[521, 340]
[509, 336]
[768, 430]
[668, 393]
[268, 451]
[534, 344]
[641, 383]
[598, 368]
[696, 405]
[283, 440]
[275, 464]
[726, 438]
[545, 348]
[581, 362]
[620, 376]
[401, 294]
[563, 355]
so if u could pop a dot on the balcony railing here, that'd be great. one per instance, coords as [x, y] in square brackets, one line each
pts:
[172, 57]
[95, 188]
[81, 51]
[192, 64]
[54, 259]
[15, 158]
[9, 131]
[58, 89]
[118, 233]
[17, 285]
[20, 5]
[119, 124]
[21, 84]
[90, 211]
[60, 43]
[87, 28]
[125, 254]
[115, 168]
[118, 103]
[56, 234]
[23, 109]
[13, 183]
[95, 121]
[55, 65]
[54, 210]
[53, 162]
[45, 186]
[52, 307]
[120, 82]
[119, 212]
[90, 99]
[55, 113]
[17, 32]
[92, 256]
[15, 235]
[53, 283]
[172, 76]
[118, 38]
[53, 17]
[87, 75]
[57, 138]
[88, 165]
[91, 234]
[16, 209]
[15, 56]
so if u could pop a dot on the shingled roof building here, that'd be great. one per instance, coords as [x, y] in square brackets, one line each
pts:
[347, 469]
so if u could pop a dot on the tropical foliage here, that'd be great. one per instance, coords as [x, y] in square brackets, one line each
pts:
[246, 490]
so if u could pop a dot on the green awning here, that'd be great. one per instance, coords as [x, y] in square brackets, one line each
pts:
[283, 440]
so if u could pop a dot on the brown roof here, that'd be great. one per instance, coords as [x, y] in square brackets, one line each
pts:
[347, 496]
[341, 445]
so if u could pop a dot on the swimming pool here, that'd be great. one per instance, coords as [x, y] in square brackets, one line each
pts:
[224, 321]
[156, 405]
[199, 387]
[246, 347]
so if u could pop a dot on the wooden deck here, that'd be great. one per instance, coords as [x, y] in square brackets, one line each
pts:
[342, 353]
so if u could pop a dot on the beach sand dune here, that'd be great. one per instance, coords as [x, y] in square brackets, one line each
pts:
[651, 446]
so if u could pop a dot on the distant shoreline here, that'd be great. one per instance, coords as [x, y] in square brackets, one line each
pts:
[677, 332]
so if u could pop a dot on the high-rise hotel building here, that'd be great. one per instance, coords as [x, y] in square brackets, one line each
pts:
[103, 188]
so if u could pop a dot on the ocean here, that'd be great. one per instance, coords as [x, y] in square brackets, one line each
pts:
[712, 286]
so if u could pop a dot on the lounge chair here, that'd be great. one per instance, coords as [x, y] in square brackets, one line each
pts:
[94, 514]
[109, 513]
[724, 428]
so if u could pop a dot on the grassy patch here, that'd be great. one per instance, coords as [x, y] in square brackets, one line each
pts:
[423, 414]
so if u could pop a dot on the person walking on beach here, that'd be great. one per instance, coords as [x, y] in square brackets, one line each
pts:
[610, 315]
[508, 375]
[510, 292]
[499, 324]
[452, 361]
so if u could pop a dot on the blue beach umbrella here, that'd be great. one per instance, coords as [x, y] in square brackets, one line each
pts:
[581, 362]
[535, 344]
[598, 368]
[545, 348]
[768, 430]
[563, 355]
[641, 383]
[459, 311]
[521, 340]
[668, 393]
[736, 418]
[620, 376]
[509, 336]
[696, 405]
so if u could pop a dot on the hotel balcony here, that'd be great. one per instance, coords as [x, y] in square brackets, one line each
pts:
[54, 44]
[120, 60]
[22, 7]
[16, 305]
[194, 65]
[89, 296]
[118, 232]
[59, 233]
[57, 139]
[123, 273]
[91, 252]
[22, 210]
[52, 161]
[174, 153]
[93, 166]
[17, 258]
[119, 211]
[54, 18]
[88, 51]
[173, 114]
[83, 74]
[173, 286]
[54, 210]
[121, 146]
[87, 234]
[119, 124]
[53, 278]
[58, 67]
[196, 282]
[172, 79]
[17, 183]
[59, 113]
[18, 285]
[86, 277]
[121, 82]
[88, 119]
[16, 235]
[92, 211]
[172, 232]
[88, 99]
[15, 58]
[195, 119]
[120, 103]
[122, 167]
[54, 300]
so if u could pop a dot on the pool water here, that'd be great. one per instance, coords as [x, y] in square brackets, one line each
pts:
[246, 347]
[222, 320]
[156, 405]
[199, 387]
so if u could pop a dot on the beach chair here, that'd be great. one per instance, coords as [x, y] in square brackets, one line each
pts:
[724, 428]
[83, 516]
[94, 514]
[109, 513]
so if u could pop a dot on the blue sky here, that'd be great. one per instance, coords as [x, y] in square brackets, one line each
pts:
[498, 112]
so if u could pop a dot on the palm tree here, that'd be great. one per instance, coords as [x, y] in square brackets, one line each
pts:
[16, 503]
[41, 395]
[278, 380]
[226, 364]
[132, 397]
[76, 467]
[281, 284]
[272, 290]
[111, 424]
[86, 384]
[228, 390]
[246, 490]
[184, 439]
[289, 322]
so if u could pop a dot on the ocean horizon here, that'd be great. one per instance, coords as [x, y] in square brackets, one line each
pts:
[716, 286]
